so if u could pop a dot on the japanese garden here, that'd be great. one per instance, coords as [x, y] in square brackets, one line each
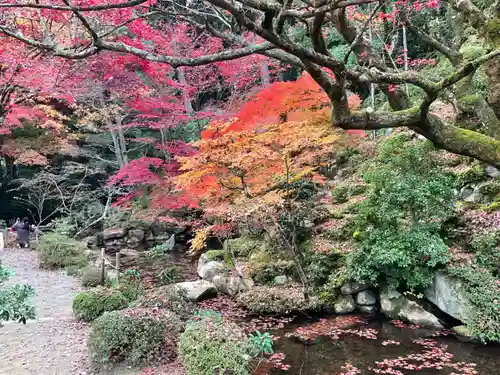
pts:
[249, 187]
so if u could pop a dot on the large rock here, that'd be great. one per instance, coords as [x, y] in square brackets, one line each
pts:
[474, 193]
[464, 334]
[170, 243]
[344, 304]
[366, 298]
[282, 280]
[202, 260]
[208, 269]
[396, 306]
[353, 288]
[232, 285]
[113, 233]
[135, 236]
[492, 171]
[446, 293]
[196, 291]
[368, 309]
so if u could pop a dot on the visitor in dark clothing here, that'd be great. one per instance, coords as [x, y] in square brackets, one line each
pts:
[22, 229]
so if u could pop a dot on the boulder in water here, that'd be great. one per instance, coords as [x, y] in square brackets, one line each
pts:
[344, 305]
[353, 287]
[366, 298]
[396, 306]
[446, 293]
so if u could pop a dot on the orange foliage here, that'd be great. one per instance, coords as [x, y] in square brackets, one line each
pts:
[282, 135]
[293, 101]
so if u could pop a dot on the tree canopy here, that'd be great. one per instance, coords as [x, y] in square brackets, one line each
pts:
[296, 33]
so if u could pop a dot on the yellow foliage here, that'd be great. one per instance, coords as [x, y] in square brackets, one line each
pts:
[51, 112]
[199, 241]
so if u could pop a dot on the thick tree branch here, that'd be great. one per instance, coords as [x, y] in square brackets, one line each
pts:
[451, 54]
[361, 33]
[72, 8]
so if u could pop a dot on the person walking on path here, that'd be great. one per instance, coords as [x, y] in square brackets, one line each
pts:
[22, 230]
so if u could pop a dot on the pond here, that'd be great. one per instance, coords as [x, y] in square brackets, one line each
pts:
[381, 347]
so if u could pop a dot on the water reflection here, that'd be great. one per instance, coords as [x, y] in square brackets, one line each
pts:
[327, 356]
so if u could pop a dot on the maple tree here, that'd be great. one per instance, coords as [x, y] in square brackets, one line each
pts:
[98, 26]
[281, 135]
[251, 171]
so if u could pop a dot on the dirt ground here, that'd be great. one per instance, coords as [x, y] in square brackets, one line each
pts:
[54, 343]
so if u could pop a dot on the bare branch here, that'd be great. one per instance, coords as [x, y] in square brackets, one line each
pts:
[84, 22]
[451, 54]
[361, 33]
[176, 62]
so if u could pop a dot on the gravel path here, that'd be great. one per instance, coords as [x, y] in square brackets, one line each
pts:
[54, 343]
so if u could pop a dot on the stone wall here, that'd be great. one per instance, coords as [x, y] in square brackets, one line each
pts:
[115, 239]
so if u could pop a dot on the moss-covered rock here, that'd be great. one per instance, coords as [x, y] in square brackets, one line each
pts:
[471, 175]
[278, 300]
[88, 306]
[490, 190]
[215, 255]
[260, 257]
[264, 273]
[244, 246]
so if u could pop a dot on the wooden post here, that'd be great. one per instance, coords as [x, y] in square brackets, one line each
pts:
[102, 274]
[117, 266]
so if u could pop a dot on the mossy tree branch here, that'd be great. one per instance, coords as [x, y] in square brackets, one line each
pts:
[372, 68]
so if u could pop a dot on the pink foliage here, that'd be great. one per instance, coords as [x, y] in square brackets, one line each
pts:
[142, 171]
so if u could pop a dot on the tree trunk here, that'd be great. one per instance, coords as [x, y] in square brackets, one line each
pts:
[116, 146]
[187, 100]
[264, 74]
[121, 140]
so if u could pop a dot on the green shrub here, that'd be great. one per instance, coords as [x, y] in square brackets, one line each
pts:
[158, 251]
[215, 255]
[168, 275]
[134, 336]
[486, 246]
[320, 266]
[490, 190]
[15, 303]
[210, 345]
[399, 224]
[72, 270]
[470, 176]
[168, 298]
[343, 192]
[89, 305]
[277, 300]
[264, 273]
[131, 286]
[243, 246]
[58, 250]
[483, 292]
[90, 276]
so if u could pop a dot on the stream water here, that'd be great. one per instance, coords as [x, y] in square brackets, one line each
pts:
[404, 352]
